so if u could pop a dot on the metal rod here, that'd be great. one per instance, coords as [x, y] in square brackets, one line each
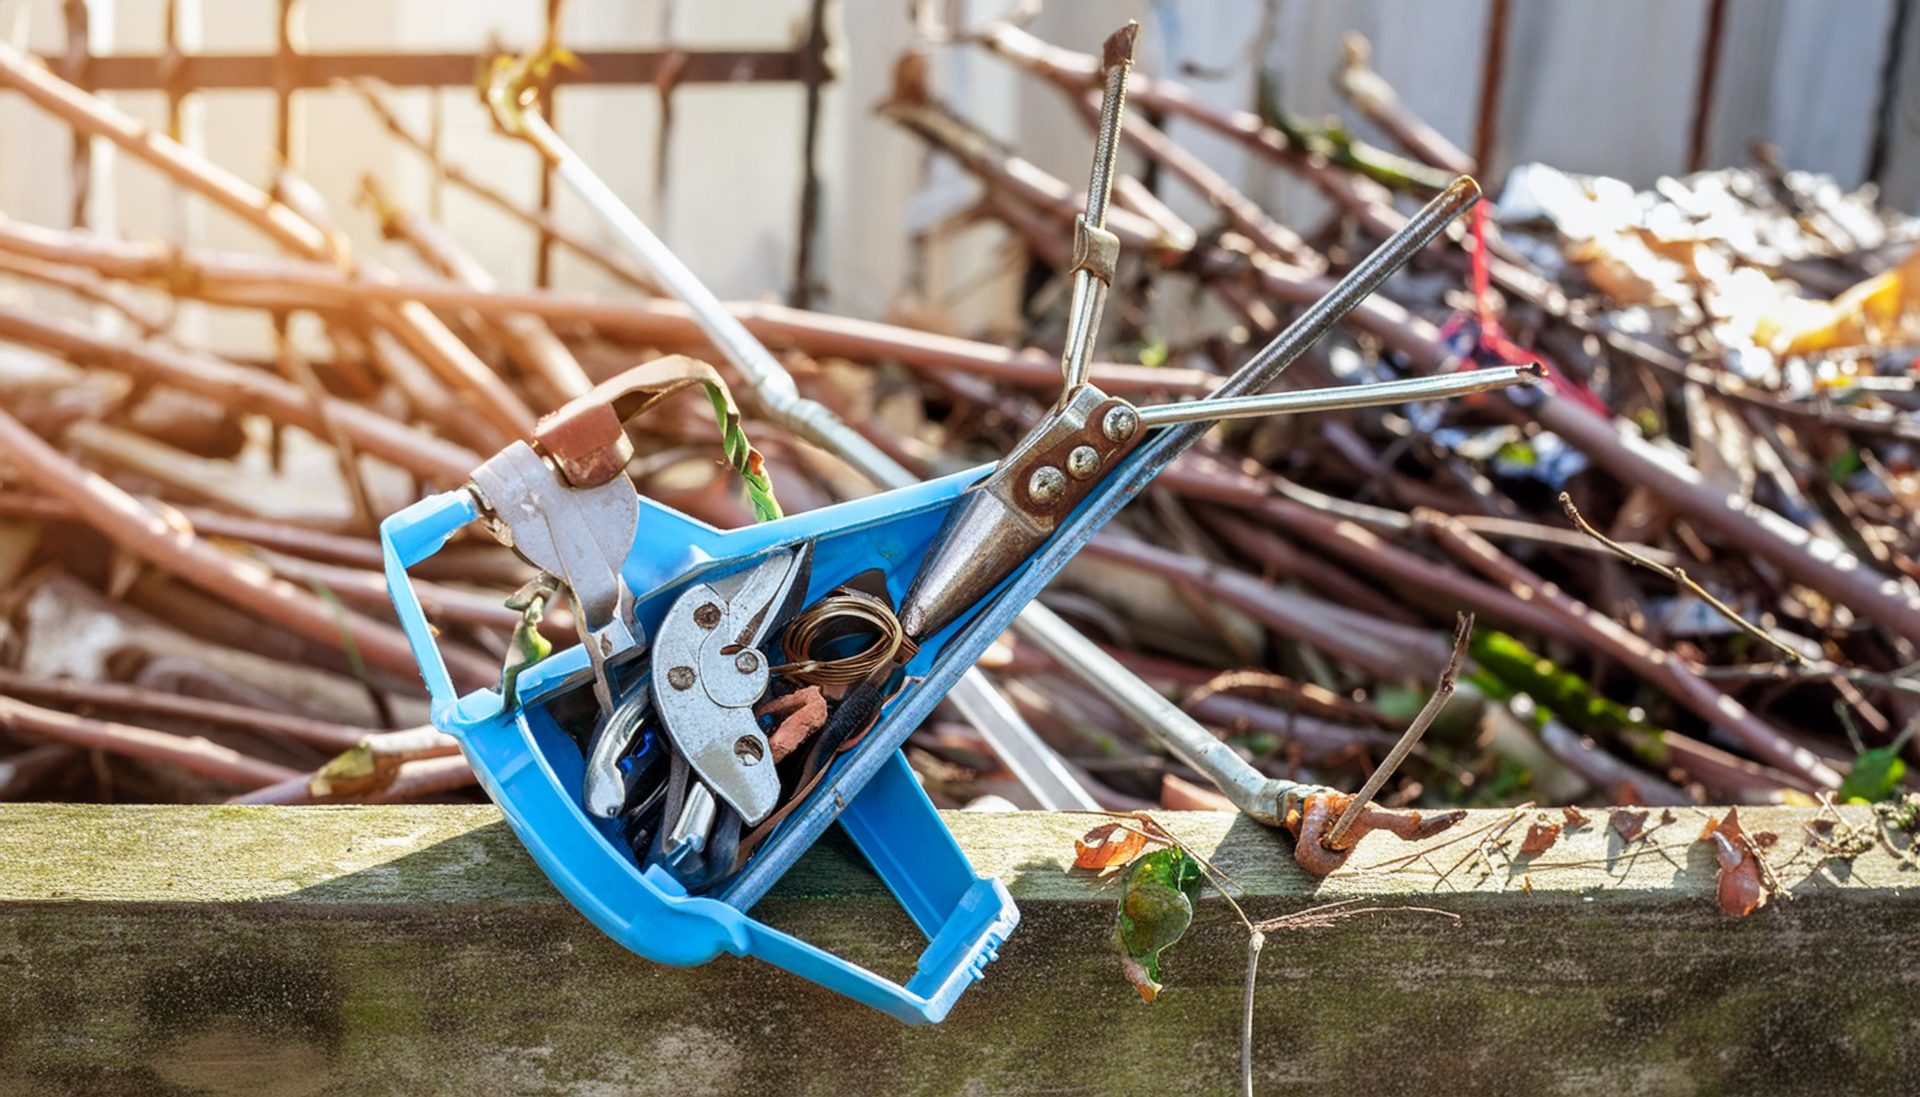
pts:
[1052, 785]
[1253, 792]
[1356, 286]
[319, 70]
[770, 379]
[1116, 59]
[1091, 276]
[1445, 386]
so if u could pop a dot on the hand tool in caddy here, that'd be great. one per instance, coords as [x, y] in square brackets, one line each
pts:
[637, 767]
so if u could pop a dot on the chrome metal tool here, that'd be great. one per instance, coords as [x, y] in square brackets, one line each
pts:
[709, 671]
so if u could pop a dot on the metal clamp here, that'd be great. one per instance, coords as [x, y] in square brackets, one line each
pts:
[581, 536]
[1095, 250]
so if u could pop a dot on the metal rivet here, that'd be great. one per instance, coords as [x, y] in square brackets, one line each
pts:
[1047, 485]
[1120, 423]
[1083, 462]
[680, 677]
[706, 615]
[748, 750]
[747, 662]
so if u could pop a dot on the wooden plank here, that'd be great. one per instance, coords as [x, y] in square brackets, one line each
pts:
[416, 949]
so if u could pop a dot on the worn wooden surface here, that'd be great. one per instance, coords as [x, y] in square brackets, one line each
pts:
[417, 949]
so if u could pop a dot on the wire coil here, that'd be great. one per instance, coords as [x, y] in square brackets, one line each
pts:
[830, 619]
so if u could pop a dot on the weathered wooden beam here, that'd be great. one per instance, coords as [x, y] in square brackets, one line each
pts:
[416, 949]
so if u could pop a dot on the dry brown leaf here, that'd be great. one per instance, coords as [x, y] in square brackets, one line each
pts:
[1108, 845]
[1574, 816]
[1741, 890]
[1540, 838]
[1628, 824]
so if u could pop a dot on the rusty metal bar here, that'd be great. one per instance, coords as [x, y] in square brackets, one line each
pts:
[1492, 70]
[286, 68]
[76, 68]
[543, 250]
[813, 53]
[1709, 76]
[167, 72]
[227, 71]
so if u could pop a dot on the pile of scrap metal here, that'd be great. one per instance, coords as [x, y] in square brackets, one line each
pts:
[196, 607]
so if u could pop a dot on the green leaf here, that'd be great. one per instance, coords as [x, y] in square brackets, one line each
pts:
[1517, 453]
[1154, 354]
[1155, 911]
[1845, 465]
[527, 646]
[1875, 776]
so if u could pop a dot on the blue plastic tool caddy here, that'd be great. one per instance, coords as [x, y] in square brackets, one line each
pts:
[533, 770]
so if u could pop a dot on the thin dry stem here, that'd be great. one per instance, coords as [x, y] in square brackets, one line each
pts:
[1462, 634]
[1678, 576]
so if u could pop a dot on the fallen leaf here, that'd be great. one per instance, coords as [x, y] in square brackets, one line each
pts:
[1666, 816]
[1628, 824]
[1575, 817]
[1154, 913]
[1540, 838]
[1108, 845]
[1741, 891]
[1876, 775]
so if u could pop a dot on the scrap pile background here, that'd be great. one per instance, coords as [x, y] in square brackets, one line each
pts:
[192, 599]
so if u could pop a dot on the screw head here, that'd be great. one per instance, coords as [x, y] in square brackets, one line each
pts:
[706, 615]
[680, 677]
[1047, 485]
[747, 662]
[1120, 423]
[1083, 462]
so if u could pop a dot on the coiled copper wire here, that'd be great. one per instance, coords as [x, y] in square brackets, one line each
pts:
[808, 629]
